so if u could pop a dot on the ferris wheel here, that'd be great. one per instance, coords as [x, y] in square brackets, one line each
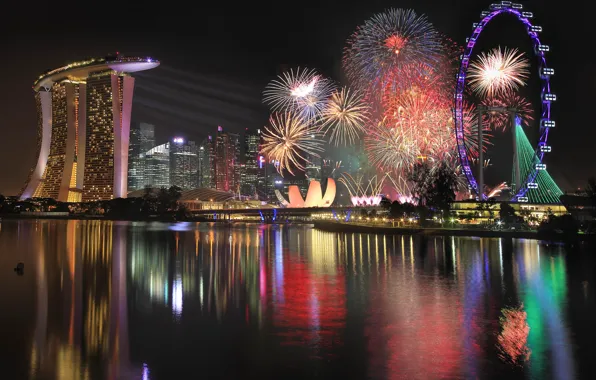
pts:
[523, 182]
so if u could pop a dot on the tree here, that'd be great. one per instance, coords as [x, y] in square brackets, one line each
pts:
[149, 201]
[443, 188]
[480, 208]
[434, 187]
[385, 203]
[175, 193]
[167, 199]
[507, 213]
[564, 224]
[125, 208]
[420, 177]
[182, 213]
[396, 210]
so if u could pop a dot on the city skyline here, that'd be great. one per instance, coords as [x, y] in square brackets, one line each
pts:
[229, 162]
[313, 48]
[380, 189]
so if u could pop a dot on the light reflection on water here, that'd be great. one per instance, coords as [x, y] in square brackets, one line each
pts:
[155, 300]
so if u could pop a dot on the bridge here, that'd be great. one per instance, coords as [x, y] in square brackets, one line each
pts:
[281, 214]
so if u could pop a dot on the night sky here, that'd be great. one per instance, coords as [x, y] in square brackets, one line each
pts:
[216, 58]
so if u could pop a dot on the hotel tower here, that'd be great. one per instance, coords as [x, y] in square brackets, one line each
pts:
[83, 112]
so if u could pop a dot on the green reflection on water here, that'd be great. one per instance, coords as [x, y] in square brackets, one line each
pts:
[543, 293]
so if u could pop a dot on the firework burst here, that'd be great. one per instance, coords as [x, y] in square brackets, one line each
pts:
[345, 116]
[390, 147]
[303, 92]
[499, 119]
[498, 71]
[289, 140]
[362, 192]
[388, 41]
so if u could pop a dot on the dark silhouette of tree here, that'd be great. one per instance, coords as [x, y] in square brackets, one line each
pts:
[395, 211]
[434, 188]
[564, 224]
[182, 213]
[507, 213]
[167, 199]
[125, 208]
[385, 203]
[442, 189]
[401, 210]
[420, 177]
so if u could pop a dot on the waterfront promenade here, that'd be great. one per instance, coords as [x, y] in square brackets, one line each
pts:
[350, 227]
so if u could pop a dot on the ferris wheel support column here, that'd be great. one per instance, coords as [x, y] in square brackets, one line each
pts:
[516, 170]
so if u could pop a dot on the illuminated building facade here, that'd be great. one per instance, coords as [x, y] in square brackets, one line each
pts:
[268, 179]
[83, 129]
[249, 176]
[142, 139]
[234, 161]
[60, 123]
[157, 166]
[206, 158]
[184, 164]
[226, 161]
[314, 195]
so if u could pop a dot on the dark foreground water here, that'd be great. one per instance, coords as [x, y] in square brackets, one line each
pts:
[110, 300]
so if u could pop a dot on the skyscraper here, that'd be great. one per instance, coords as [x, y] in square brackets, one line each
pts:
[206, 164]
[83, 129]
[157, 166]
[248, 183]
[59, 110]
[268, 179]
[234, 162]
[184, 164]
[142, 138]
[227, 152]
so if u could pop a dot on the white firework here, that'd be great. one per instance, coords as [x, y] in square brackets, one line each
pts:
[498, 71]
[345, 116]
[303, 92]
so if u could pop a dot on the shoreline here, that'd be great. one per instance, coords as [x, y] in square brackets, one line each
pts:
[429, 232]
[338, 227]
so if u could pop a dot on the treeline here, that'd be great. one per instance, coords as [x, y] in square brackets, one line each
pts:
[161, 203]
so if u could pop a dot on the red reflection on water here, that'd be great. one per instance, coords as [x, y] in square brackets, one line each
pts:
[513, 340]
[313, 310]
[414, 330]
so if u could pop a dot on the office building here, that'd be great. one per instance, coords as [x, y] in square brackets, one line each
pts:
[142, 139]
[83, 129]
[235, 163]
[249, 175]
[268, 179]
[206, 158]
[184, 164]
[226, 155]
[157, 166]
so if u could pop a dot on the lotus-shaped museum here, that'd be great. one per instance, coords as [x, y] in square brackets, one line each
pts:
[314, 196]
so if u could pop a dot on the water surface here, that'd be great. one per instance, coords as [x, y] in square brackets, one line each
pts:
[119, 300]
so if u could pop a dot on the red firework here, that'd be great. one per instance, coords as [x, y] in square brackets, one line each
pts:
[499, 106]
